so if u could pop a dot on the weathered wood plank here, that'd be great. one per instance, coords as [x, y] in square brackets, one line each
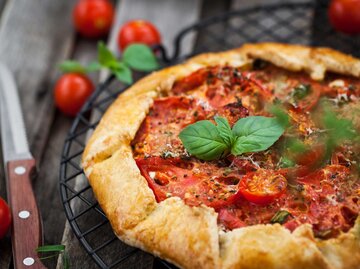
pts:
[31, 46]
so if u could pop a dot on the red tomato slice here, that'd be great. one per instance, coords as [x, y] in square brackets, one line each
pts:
[262, 187]
[229, 220]
[189, 180]
[191, 82]
[159, 132]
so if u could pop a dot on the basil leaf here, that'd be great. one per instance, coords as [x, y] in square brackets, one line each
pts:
[50, 248]
[280, 217]
[255, 133]
[140, 57]
[301, 91]
[285, 162]
[72, 66]
[202, 139]
[224, 129]
[94, 66]
[65, 260]
[105, 56]
[123, 73]
[281, 115]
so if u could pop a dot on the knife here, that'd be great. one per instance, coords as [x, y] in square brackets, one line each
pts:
[19, 166]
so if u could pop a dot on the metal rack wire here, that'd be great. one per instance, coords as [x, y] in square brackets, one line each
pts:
[304, 23]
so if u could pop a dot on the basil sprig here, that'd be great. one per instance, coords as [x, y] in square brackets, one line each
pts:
[208, 141]
[136, 56]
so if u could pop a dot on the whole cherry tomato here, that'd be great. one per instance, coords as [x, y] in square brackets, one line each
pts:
[93, 18]
[138, 31]
[345, 15]
[262, 187]
[5, 218]
[71, 92]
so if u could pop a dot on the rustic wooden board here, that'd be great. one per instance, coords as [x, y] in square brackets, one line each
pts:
[31, 45]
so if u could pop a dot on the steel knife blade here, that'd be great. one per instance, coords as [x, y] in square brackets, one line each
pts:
[19, 165]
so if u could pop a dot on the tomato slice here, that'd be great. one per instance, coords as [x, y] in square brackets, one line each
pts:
[158, 134]
[191, 82]
[230, 220]
[262, 187]
[195, 182]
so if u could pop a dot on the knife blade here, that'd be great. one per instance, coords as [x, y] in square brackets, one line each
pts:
[19, 166]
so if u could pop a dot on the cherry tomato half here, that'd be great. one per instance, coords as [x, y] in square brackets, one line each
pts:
[345, 15]
[5, 218]
[71, 92]
[138, 31]
[93, 18]
[262, 187]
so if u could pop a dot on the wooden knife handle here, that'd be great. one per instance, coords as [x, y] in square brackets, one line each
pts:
[26, 233]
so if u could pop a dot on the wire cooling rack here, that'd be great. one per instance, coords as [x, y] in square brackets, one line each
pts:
[304, 23]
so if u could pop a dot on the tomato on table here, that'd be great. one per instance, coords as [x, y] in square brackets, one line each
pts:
[93, 18]
[344, 16]
[262, 187]
[71, 92]
[138, 31]
[190, 181]
[5, 218]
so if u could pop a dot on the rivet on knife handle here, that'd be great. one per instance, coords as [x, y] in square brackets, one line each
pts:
[25, 238]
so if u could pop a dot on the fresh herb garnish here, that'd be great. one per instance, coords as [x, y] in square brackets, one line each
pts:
[136, 56]
[280, 217]
[285, 162]
[301, 91]
[55, 250]
[207, 141]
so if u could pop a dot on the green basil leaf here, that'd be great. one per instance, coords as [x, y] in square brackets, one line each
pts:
[70, 66]
[281, 115]
[123, 74]
[105, 56]
[140, 57]
[50, 248]
[285, 162]
[224, 129]
[280, 217]
[94, 66]
[202, 139]
[255, 133]
[301, 91]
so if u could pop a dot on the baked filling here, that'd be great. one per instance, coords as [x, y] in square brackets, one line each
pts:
[310, 175]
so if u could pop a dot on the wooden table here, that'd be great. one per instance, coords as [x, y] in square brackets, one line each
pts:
[36, 35]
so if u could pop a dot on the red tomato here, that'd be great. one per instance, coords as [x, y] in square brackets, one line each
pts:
[262, 187]
[345, 15]
[5, 218]
[71, 92]
[138, 31]
[229, 220]
[189, 180]
[93, 18]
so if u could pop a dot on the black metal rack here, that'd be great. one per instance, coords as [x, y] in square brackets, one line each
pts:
[303, 23]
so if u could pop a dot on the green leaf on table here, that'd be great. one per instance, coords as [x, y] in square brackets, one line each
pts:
[256, 133]
[50, 248]
[140, 57]
[105, 56]
[123, 73]
[70, 66]
[65, 260]
[202, 139]
[224, 129]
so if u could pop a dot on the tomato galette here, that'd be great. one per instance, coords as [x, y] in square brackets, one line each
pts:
[248, 158]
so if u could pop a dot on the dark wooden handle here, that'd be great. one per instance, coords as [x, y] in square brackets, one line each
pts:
[26, 225]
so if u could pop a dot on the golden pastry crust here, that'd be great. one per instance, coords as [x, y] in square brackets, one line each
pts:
[189, 236]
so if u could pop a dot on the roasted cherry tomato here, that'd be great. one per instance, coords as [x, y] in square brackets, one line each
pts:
[93, 18]
[71, 92]
[345, 15]
[5, 218]
[262, 187]
[189, 180]
[138, 31]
